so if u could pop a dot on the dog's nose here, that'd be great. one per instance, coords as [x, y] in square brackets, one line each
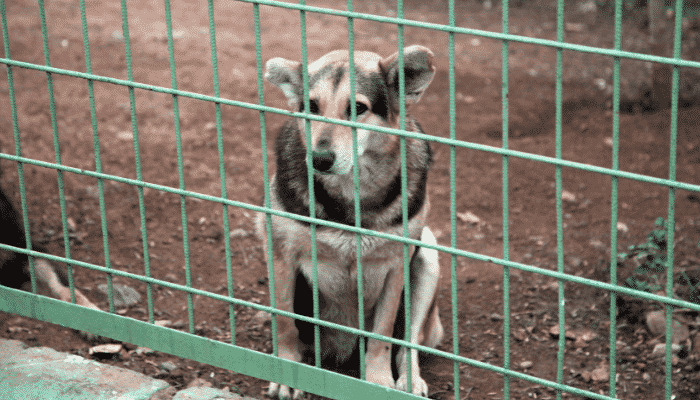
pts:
[323, 160]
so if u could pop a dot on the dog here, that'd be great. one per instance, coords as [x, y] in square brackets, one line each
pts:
[14, 267]
[377, 103]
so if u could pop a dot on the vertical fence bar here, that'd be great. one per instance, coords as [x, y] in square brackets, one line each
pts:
[18, 146]
[222, 169]
[137, 150]
[135, 131]
[453, 201]
[612, 391]
[671, 221]
[559, 206]
[98, 158]
[266, 178]
[57, 149]
[312, 194]
[404, 196]
[356, 185]
[180, 167]
[506, 213]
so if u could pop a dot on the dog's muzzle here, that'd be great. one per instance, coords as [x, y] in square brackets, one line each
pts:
[323, 160]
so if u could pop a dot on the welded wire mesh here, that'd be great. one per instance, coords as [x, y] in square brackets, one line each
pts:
[270, 367]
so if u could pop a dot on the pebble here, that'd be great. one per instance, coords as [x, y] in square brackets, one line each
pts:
[660, 349]
[168, 366]
[124, 296]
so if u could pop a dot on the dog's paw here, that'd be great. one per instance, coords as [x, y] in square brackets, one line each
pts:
[283, 392]
[419, 387]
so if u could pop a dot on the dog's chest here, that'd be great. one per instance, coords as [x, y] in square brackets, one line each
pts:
[336, 260]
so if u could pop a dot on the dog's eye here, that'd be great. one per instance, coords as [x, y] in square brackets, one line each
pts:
[313, 107]
[360, 108]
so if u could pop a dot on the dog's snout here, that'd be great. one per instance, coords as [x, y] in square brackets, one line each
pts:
[324, 144]
[323, 160]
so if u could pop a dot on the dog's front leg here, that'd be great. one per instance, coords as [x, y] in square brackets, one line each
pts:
[378, 357]
[288, 344]
[425, 329]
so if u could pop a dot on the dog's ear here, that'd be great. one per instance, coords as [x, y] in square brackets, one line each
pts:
[418, 72]
[286, 75]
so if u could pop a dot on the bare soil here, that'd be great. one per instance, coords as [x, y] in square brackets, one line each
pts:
[587, 127]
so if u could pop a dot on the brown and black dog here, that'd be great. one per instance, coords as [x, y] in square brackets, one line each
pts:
[377, 103]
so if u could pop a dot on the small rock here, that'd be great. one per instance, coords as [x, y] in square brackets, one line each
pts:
[72, 226]
[574, 27]
[168, 366]
[660, 350]
[608, 141]
[124, 296]
[199, 382]
[125, 135]
[238, 233]
[526, 364]
[496, 317]
[586, 335]
[656, 322]
[600, 83]
[586, 376]
[143, 350]
[568, 196]
[519, 334]
[596, 244]
[576, 262]
[601, 374]
[583, 338]
[622, 227]
[588, 6]
[554, 331]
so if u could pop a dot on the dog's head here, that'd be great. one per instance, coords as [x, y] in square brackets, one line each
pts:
[377, 98]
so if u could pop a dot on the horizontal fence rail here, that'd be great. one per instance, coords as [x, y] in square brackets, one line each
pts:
[269, 366]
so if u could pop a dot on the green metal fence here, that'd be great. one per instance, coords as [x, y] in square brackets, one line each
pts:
[269, 367]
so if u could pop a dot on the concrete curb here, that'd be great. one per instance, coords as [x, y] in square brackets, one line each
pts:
[43, 373]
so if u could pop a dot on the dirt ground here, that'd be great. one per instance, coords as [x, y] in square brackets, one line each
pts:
[587, 127]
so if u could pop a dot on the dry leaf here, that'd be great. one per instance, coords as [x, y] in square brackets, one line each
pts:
[469, 218]
[105, 349]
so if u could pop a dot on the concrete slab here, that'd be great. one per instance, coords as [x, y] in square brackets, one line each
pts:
[43, 373]
[207, 393]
